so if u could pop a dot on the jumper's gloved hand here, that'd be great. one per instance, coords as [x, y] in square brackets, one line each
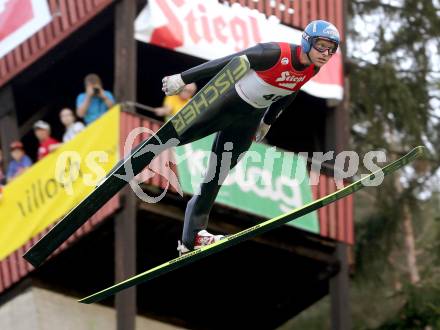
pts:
[172, 85]
[261, 131]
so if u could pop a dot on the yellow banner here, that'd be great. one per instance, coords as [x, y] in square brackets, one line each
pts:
[50, 188]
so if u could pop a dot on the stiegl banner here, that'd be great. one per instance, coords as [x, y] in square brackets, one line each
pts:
[209, 30]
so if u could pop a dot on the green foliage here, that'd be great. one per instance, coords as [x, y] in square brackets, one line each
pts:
[372, 245]
[392, 95]
[422, 309]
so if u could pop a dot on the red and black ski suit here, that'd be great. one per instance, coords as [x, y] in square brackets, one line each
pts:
[271, 85]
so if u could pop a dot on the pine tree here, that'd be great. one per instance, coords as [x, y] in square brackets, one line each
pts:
[394, 98]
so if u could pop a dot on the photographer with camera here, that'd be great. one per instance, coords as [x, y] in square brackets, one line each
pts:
[95, 101]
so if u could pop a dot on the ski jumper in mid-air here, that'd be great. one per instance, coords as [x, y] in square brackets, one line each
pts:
[246, 112]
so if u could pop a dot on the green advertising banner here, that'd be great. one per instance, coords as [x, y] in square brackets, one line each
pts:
[266, 182]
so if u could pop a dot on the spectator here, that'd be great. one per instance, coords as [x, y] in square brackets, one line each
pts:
[95, 101]
[172, 104]
[20, 161]
[47, 143]
[73, 127]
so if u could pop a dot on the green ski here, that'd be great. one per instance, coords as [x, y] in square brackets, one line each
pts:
[252, 231]
[140, 157]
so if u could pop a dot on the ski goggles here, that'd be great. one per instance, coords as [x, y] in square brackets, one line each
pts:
[322, 49]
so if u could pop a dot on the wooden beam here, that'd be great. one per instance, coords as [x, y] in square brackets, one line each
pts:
[125, 259]
[8, 121]
[125, 226]
[339, 291]
[29, 124]
[125, 51]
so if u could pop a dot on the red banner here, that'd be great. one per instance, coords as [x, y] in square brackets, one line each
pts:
[20, 19]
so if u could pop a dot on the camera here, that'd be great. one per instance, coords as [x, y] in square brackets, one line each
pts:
[96, 90]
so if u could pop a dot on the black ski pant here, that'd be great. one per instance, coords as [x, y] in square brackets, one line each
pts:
[236, 123]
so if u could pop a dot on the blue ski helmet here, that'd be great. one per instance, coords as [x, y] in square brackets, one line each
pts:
[318, 30]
